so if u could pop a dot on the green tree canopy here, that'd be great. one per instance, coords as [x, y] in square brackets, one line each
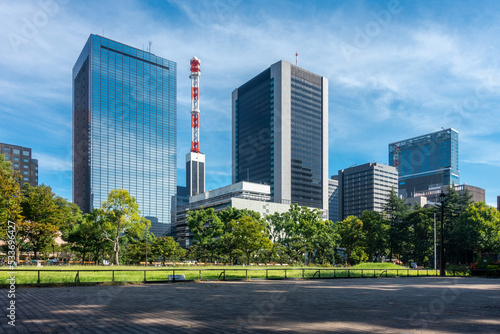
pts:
[120, 212]
[353, 239]
[167, 248]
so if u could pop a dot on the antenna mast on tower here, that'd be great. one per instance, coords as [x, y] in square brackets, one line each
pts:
[195, 108]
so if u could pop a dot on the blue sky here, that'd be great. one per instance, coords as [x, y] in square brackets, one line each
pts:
[396, 69]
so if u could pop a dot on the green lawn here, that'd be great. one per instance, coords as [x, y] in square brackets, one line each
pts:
[376, 265]
[94, 274]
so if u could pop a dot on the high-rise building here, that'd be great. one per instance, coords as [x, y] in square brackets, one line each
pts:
[21, 160]
[426, 162]
[280, 134]
[365, 188]
[333, 198]
[125, 128]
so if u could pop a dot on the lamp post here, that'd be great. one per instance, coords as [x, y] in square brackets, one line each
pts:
[442, 198]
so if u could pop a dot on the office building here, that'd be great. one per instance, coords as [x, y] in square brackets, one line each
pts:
[333, 198]
[21, 160]
[125, 128]
[365, 187]
[280, 134]
[426, 162]
[477, 194]
[241, 195]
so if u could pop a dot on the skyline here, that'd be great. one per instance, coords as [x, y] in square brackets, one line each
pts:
[396, 71]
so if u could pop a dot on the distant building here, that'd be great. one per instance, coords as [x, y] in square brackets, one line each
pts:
[241, 195]
[333, 199]
[426, 162]
[478, 194]
[125, 128]
[498, 203]
[365, 187]
[21, 160]
[280, 134]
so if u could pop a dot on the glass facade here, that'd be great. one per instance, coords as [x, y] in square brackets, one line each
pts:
[306, 140]
[124, 128]
[253, 130]
[426, 161]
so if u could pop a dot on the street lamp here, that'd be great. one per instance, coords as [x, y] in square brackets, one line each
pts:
[442, 198]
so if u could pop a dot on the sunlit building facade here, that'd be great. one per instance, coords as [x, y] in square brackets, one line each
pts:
[124, 128]
[426, 162]
[280, 134]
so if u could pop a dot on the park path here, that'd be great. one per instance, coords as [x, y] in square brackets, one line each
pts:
[370, 305]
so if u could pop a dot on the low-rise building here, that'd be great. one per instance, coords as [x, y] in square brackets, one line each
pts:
[241, 195]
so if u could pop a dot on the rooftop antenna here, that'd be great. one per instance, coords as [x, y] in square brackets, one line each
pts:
[296, 59]
[149, 48]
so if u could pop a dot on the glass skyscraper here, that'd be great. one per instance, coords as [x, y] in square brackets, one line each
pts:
[426, 162]
[280, 134]
[125, 128]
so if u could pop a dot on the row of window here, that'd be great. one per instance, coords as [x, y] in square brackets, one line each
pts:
[15, 151]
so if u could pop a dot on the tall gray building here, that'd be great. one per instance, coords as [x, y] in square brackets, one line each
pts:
[280, 134]
[365, 187]
[21, 162]
[333, 198]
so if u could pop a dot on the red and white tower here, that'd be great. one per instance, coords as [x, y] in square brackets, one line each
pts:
[195, 106]
[195, 161]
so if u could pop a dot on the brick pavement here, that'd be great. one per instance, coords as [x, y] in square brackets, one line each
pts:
[381, 305]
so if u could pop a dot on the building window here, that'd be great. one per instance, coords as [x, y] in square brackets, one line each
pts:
[25, 179]
[16, 159]
[6, 149]
[7, 157]
[16, 151]
[25, 160]
[25, 173]
[26, 166]
[27, 153]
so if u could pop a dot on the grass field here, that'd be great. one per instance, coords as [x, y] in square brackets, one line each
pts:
[97, 274]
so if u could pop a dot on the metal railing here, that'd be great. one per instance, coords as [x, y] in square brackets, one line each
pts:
[163, 275]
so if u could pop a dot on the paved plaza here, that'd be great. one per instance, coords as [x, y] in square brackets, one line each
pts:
[370, 305]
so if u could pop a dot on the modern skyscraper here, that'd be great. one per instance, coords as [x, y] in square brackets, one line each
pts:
[365, 187]
[280, 134]
[426, 162]
[21, 162]
[333, 198]
[125, 128]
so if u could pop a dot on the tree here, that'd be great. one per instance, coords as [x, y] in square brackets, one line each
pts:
[206, 228]
[167, 249]
[454, 205]
[377, 234]
[120, 213]
[421, 242]
[10, 208]
[250, 236]
[44, 216]
[352, 238]
[396, 211]
[87, 235]
[302, 231]
[478, 231]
